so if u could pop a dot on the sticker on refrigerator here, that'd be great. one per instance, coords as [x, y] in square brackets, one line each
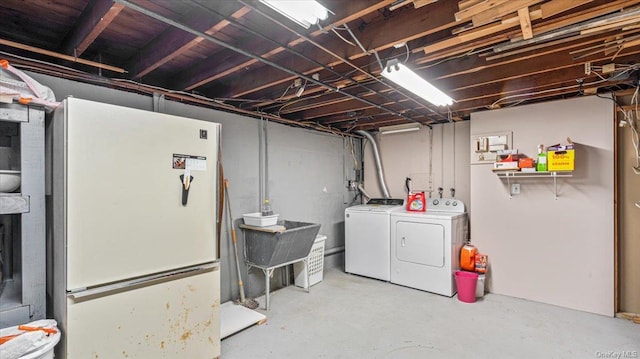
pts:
[189, 162]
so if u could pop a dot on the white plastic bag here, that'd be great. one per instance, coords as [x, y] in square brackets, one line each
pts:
[16, 85]
[29, 342]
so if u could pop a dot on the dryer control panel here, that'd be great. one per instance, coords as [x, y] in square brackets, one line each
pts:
[445, 205]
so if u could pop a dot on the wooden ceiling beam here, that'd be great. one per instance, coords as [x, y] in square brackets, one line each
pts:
[348, 106]
[175, 42]
[408, 25]
[506, 66]
[61, 56]
[475, 63]
[490, 93]
[480, 96]
[205, 73]
[541, 93]
[96, 17]
[468, 89]
[520, 70]
[352, 116]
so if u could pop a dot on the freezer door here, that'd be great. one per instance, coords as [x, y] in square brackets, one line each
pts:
[176, 318]
[124, 211]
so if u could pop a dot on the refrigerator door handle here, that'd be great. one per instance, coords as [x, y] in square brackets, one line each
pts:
[143, 281]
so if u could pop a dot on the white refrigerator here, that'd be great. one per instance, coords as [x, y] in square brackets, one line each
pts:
[134, 253]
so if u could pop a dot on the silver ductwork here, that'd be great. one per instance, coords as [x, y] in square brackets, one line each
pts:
[376, 156]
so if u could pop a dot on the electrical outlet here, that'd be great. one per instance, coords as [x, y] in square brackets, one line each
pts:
[587, 68]
[515, 188]
[297, 82]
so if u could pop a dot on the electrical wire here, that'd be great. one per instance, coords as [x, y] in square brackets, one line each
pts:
[334, 30]
[540, 92]
[285, 91]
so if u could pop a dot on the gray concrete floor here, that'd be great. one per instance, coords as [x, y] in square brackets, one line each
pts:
[347, 316]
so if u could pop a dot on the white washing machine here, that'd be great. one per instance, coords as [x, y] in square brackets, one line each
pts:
[367, 232]
[425, 246]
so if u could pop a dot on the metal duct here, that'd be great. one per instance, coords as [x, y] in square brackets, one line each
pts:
[376, 156]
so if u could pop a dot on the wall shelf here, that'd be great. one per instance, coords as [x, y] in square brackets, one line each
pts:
[539, 175]
[23, 294]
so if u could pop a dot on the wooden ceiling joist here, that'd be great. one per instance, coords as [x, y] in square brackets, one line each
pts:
[62, 56]
[382, 39]
[96, 17]
[175, 42]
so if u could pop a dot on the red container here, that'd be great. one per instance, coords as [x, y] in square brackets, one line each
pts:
[416, 202]
[466, 283]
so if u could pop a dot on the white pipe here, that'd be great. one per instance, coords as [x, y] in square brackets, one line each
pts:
[376, 156]
[364, 193]
[260, 163]
[265, 130]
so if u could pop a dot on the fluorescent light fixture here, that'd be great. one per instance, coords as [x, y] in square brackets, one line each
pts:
[407, 127]
[303, 12]
[405, 77]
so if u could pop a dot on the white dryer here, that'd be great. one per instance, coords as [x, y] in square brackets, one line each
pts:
[367, 237]
[425, 246]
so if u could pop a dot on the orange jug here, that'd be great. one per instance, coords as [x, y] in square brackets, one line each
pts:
[468, 257]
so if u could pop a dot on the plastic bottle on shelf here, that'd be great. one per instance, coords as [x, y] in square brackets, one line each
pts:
[266, 208]
[541, 163]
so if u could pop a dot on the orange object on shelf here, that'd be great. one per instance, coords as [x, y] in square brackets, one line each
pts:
[525, 163]
[468, 257]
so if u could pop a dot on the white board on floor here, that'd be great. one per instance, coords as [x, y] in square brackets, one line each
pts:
[235, 317]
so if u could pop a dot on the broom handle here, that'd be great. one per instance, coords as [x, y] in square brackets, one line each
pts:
[234, 240]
